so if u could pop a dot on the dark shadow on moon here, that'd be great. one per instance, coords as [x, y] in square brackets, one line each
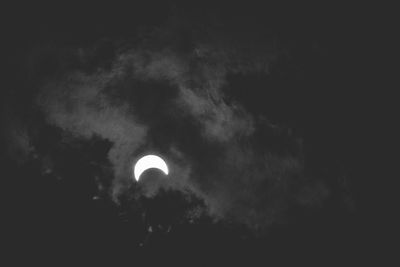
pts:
[151, 181]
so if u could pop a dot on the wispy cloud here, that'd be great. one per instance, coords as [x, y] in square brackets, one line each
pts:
[172, 101]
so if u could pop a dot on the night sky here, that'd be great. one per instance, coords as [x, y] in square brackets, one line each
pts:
[258, 110]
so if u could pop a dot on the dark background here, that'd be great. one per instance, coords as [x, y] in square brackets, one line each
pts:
[58, 222]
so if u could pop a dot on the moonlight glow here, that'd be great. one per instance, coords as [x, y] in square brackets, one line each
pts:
[148, 162]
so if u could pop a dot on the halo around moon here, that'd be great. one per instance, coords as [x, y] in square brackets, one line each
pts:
[149, 162]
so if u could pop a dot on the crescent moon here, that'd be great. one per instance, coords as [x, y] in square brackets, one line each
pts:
[148, 162]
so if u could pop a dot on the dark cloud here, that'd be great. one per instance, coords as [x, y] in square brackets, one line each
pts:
[77, 105]
[17, 142]
[155, 96]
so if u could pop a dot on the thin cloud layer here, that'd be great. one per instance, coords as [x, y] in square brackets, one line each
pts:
[163, 100]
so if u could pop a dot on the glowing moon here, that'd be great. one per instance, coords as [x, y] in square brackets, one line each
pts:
[148, 162]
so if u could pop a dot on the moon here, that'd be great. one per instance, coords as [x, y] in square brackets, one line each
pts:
[149, 162]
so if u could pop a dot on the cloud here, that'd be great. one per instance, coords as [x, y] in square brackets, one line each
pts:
[16, 139]
[161, 99]
[220, 121]
[77, 105]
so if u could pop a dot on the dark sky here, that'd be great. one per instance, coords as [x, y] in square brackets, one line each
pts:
[260, 111]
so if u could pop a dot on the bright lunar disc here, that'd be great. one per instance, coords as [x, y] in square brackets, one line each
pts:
[148, 162]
